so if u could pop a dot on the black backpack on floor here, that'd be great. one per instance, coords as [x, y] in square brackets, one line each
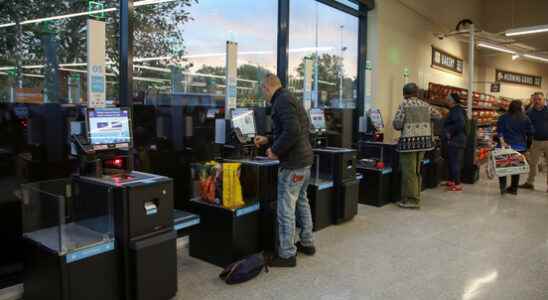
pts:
[244, 270]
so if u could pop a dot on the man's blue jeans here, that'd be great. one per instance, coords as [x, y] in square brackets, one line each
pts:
[293, 209]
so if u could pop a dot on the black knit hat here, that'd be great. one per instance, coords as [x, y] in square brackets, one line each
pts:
[455, 97]
[410, 89]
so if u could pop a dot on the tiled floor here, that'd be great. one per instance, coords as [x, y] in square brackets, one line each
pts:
[470, 245]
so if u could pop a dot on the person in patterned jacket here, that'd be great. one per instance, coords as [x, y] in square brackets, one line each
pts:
[414, 120]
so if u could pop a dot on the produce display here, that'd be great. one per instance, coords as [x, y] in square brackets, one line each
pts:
[503, 103]
[485, 117]
[437, 93]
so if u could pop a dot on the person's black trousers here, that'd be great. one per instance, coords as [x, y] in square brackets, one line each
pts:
[455, 156]
[514, 183]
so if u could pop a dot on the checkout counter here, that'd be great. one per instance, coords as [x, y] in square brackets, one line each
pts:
[226, 235]
[169, 138]
[33, 147]
[107, 232]
[379, 164]
[334, 185]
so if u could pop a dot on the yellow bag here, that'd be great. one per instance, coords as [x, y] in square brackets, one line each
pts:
[232, 188]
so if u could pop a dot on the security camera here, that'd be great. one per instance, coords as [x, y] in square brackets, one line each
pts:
[439, 35]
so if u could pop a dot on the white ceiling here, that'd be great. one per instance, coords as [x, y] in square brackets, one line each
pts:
[493, 16]
[500, 15]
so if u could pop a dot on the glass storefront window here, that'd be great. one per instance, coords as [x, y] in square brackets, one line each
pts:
[350, 3]
[323, 58]
[183, 60]
[43, 50]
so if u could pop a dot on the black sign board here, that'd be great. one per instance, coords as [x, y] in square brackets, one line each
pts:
[495, 87]
[444, 60]
[517, 78]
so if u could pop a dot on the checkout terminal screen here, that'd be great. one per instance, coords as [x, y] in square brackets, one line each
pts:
[108, 126]
[245, 121]
[317, 118]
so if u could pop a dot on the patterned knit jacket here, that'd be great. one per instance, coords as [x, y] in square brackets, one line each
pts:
[414, 120]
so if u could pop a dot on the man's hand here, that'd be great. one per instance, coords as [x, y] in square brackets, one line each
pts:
[260, 141]
[271, 154]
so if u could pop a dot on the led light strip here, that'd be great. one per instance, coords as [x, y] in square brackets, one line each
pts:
[544, 59]
[205, 55]
[527, 30]
[496, 48]
[106, 10]
[165, 70]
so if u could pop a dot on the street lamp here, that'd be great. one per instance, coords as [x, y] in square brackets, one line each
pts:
[340, 69]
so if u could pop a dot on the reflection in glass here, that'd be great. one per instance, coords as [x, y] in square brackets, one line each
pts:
[43, 50]
[189, 66]
[332, 39]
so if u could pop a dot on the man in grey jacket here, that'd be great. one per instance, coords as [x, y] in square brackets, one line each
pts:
[290, 144]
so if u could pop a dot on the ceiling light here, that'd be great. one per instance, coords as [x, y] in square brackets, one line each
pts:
[526, 30]
[496, 48]
[544, 59]
[60, 17]
[148, 2]
[515, 56]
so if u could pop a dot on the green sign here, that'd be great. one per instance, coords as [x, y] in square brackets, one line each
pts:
[368, 65]
[96, 10]
[12, 73]
[48, 27]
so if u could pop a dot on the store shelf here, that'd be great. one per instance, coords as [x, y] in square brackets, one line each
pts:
[485, 108]
[487, 124]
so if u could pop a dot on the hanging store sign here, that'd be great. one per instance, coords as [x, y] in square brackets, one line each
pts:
[96, 43]
[446, 61]
[517, 78]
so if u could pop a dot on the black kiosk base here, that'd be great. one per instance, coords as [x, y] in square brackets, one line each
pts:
[320, 195]
[144, 231]
[224, 236]
[50, 276]
[339, 166]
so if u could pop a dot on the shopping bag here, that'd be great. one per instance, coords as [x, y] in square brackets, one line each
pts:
[232, 188]
[505, 162]
[208, 174]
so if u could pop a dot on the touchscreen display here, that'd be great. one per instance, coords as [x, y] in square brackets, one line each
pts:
[108, 126]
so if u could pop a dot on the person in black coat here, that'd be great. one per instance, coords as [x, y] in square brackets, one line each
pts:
[290, 144]
[455, 136]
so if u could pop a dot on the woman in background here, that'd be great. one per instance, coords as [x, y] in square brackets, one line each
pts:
[514, 129]
[455, 135]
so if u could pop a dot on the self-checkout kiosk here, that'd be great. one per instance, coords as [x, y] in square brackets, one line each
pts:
[378, 161]
[226, 235]
[333, 191]
[107, 232]
[379, 164]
